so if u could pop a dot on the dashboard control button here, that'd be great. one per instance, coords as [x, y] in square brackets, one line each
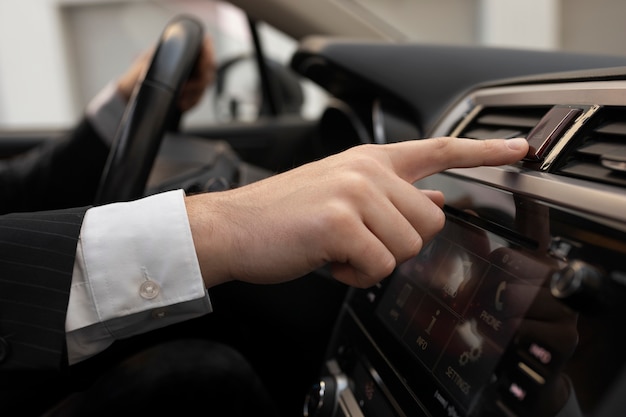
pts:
[549, 129]
[578, 284]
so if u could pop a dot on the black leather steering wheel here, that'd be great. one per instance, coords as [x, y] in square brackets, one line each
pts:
[151, 105]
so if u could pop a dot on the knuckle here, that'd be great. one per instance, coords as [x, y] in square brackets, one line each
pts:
[439, 220]
[379, 270]
[443, 142]
[435, 225]
[413, 247]
[336, 216]
[442, 149]
[364, 156]
[386, 268]
[354, 185]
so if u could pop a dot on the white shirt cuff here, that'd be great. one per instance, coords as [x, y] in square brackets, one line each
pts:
[136, 270]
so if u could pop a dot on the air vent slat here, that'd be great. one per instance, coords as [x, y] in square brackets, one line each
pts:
[599, 152]
[615, 128]
[594, 171]
[504, 122]
[507, 120]
[603, 148]
[596, 151]
[493, 134]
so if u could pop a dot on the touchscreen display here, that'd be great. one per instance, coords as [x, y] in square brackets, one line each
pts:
[457, 305]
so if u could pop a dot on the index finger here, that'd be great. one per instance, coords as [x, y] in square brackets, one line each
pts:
[417, 159]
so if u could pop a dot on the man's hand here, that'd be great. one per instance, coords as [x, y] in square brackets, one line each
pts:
[192, 90]
[357, 211]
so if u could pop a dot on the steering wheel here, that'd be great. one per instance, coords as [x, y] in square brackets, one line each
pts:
[151, 105]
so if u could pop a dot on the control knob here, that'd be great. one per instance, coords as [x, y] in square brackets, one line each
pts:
[579, 285]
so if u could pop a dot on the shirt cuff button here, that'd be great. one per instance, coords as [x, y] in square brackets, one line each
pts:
[159, 314]
[149, 290]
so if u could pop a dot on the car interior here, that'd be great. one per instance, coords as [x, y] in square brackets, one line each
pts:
[513, 310]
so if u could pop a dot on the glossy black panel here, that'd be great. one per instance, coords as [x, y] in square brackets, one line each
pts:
[471, 325]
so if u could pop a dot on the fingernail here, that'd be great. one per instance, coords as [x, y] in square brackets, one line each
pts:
[516, 143]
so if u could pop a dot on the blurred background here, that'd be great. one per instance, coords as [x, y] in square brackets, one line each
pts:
[55, 55]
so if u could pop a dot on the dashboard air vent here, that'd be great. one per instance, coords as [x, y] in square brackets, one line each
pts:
[601, 153]
[504, 122]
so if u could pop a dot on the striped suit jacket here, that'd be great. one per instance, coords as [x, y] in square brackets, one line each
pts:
[36, 259]
[38, 237]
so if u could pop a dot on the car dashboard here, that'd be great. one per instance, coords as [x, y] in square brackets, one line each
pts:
[516, 308]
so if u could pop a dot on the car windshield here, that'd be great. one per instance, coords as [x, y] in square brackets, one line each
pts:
[574, 25]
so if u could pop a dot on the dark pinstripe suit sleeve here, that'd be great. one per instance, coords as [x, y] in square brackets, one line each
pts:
[37, 252]
[38, 247]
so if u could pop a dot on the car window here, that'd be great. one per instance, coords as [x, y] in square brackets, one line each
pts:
[237, 96]
[81, 46]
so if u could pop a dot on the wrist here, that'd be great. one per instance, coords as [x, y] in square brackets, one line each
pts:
[210, 239]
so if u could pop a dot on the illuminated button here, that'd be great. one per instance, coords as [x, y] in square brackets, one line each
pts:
[540, 353]
[531, 373]
[457, 277]
[428, 331]
[467, 363]
[149, 289]
[548, 130]
[517, 392]
[523, 390]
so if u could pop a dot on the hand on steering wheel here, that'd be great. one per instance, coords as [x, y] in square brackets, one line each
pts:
[151, 105]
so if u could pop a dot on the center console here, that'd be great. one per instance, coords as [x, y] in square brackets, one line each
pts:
[517, 307]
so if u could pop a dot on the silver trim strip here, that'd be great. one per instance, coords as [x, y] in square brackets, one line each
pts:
[591, 93]
[605, 203]
[567, 137]
[608, 93]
